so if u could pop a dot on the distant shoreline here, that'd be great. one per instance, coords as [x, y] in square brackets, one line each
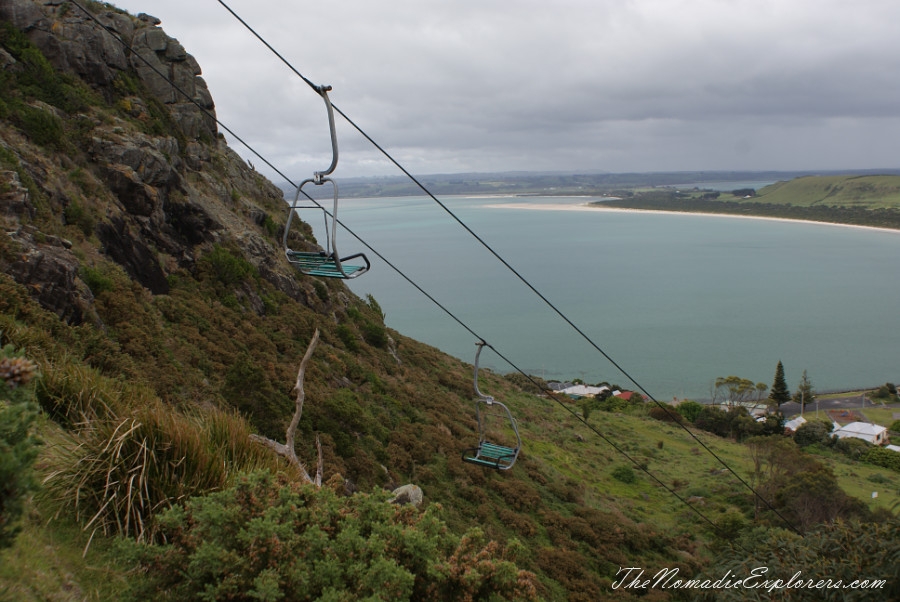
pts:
[598, 207]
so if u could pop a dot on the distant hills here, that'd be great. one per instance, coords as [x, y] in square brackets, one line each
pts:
[561, 184]
[868, 191]
[856, 199]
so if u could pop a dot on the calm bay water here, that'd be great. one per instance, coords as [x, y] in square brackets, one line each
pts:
[675, 300]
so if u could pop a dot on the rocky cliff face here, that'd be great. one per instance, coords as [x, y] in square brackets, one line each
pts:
[101, 157]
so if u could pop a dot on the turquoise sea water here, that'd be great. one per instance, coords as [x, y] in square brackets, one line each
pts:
[675, 300]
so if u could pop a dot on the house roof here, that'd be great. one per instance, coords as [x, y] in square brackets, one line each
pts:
[555, 386]
[861, 428]
[795, 423]
[583, 390]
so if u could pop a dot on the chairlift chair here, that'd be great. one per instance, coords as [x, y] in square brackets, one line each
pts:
[325, 263]
[492, 416]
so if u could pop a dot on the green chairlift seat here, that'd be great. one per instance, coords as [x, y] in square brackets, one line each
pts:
[325, 263]
[494, 419]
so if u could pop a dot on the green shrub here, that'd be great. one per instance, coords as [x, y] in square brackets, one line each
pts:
[348, 337]
[689, 409]
[226, 267]
[96, 279]
[44, 128]
[730, 524]
[852, 447]
[587, 405]
[248, 390]
[834, 552]
[880, 456]
[373, 304]
[624, 474]
[375, 335]
[36, 78]
[270, 227]
[811, 432]
[264, 539]
[885, 391]
[665, 413]
[611, 403]
[18, 444]
[78, 216]
[321, 291]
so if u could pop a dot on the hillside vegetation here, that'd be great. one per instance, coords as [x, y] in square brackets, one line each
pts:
[870, 192]
[143, 286]
[864, 200]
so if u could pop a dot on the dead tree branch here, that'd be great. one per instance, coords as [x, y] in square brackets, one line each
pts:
[287, 449]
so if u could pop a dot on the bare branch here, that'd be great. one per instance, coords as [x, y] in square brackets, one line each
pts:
[301, 394]
[287, 449]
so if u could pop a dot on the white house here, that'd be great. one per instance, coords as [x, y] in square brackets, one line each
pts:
[755, 409]
[873, 433]
[794, 424]
[583, 391]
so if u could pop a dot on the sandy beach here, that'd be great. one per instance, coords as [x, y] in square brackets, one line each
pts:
[592, 207]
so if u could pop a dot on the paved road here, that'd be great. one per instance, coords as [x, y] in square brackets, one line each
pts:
[791, 409]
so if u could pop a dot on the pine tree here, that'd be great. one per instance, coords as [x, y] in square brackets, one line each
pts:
[779, 393]
[805, 393]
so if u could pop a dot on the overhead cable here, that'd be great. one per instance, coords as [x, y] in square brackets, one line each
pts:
[402, 274]
[513, 270]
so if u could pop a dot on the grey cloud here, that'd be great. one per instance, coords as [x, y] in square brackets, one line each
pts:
[465, 85]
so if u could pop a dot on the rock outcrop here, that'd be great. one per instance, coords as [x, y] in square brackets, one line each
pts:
[99, 47]
[136, 174]
[408, 494]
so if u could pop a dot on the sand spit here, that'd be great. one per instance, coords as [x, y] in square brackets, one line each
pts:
[597, 207]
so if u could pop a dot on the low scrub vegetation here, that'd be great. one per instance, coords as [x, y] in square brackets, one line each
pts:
[271, 539]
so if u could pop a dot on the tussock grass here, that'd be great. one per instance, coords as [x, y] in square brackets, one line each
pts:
[115, 474]
[73, 393]
[127, 455]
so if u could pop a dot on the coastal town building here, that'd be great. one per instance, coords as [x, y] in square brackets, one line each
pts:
[873, 433]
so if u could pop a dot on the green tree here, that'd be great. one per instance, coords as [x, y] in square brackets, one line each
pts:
[734, 389]
[886, 393]
[779, 393]
[761, 388]
[805, 392]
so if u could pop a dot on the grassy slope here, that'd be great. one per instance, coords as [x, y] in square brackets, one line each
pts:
[872, 192]
[564, 466]
[859, 200]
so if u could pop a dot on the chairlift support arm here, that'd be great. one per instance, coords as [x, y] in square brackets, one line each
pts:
[329, 263]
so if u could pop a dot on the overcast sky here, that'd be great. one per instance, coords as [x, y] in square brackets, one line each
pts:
[587, 85]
